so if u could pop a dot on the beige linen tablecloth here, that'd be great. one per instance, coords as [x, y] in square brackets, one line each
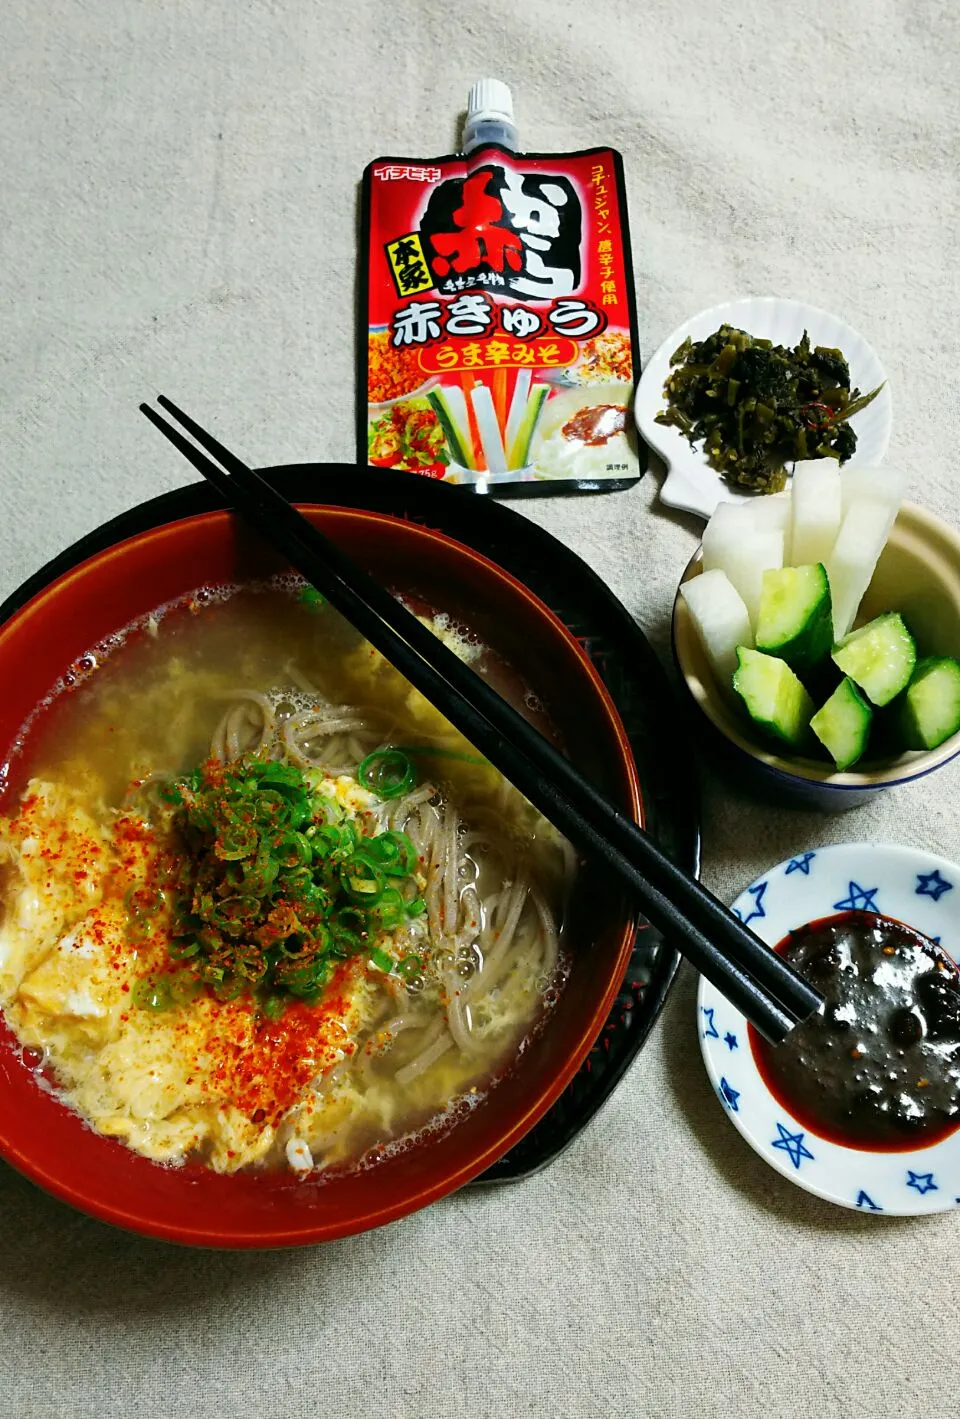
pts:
[179, 186]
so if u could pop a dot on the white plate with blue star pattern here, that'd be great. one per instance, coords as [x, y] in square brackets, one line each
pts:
[916, 888]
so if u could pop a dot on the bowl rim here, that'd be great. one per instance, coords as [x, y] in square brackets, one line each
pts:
[741, 1064]
[622, 759]
[912, 765]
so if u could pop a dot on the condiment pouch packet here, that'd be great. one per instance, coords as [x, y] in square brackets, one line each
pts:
[499, 341]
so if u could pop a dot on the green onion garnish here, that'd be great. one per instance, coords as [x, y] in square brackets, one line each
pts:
[389, 911]
[277, 886]
[361, 878]
[184, 987]
[312, 599]
[238, 840]
[152, 993]
[389, 773]
[380, 959]
[394, 853]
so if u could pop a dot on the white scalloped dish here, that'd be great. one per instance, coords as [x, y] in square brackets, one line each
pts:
[691, 484]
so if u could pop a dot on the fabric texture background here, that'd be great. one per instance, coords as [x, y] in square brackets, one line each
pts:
[179, 188]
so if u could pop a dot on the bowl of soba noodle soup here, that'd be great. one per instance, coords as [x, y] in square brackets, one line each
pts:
[282, 957]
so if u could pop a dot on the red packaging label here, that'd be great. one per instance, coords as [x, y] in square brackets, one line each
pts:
[500, 320]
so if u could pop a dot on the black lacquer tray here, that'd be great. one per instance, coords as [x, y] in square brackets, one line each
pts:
[625, 662]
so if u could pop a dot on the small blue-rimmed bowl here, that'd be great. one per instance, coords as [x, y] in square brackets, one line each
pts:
[918, 575]
[916, 888]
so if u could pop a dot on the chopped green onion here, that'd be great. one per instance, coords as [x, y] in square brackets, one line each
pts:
[294, 850]
[301, 980]
[272, 808]
[152, 993]
[230, 988]
[349, 923]
[235, 912]
[388, 773]
[389, 911]
[301, 811]
[312, 896]
[394, 852]
[184, 987]
[312, 599]
[238, 840]
[279, 884]
[260, 874]
[143, 901]
[276, 774]
[210, 940]
[336, 839]
[361, 878]
[326, 809]
[182, 950]
[251, 964]
[380, 959]
[274, 1006]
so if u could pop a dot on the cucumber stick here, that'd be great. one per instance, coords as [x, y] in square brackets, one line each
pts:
[843, 724]
[455, 430]
[519, 454]
[880, 657]
[795, 618]
[930, 709]
[773, 696]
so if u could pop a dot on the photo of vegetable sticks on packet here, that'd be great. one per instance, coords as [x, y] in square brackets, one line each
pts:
[499, 345]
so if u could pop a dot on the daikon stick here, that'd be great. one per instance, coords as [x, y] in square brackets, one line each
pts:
[883, 485]
[517, 405]
[773, 514]
[853, 560]
[728, 520]
[816, 512]
[759, 514]
[744, 557]
[490, 436]
[721, 620]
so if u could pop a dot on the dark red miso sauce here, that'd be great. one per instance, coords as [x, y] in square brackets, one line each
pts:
[879, 1066]
[596, 425]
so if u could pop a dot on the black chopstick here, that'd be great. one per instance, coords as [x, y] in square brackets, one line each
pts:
[754, 978]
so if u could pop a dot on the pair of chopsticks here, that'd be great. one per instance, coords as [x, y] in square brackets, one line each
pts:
[754, 979]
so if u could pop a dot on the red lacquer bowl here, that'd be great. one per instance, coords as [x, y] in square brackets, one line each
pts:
[191, 1205]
